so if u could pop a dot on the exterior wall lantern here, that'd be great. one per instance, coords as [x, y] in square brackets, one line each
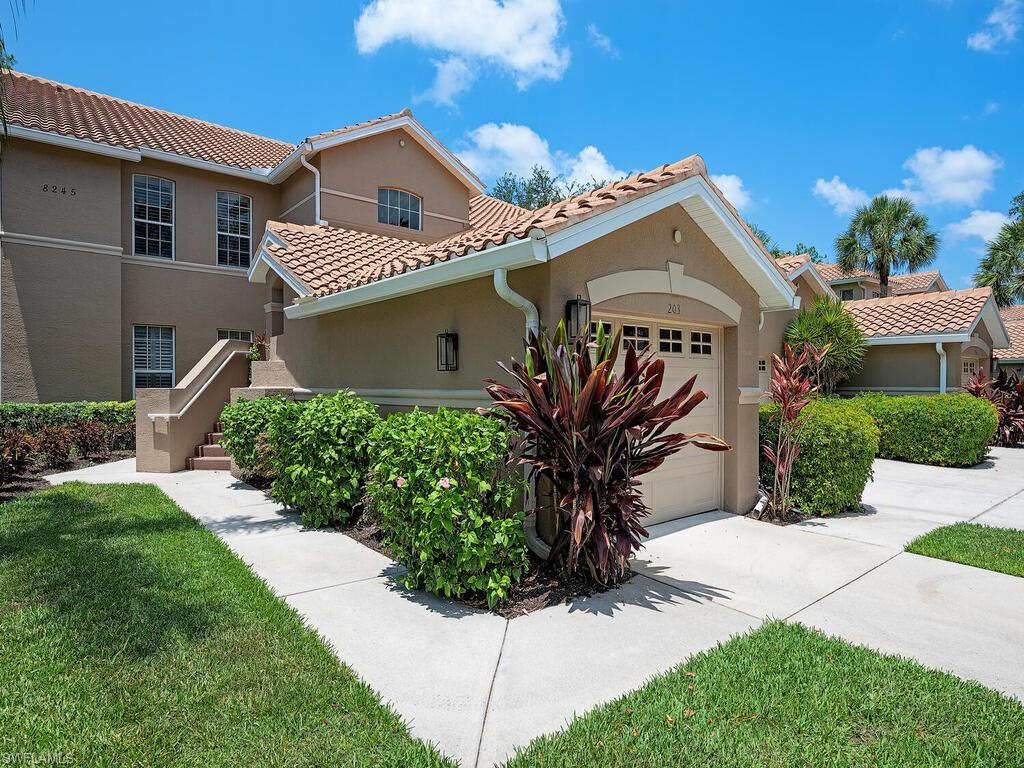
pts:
[447, 351]
[577, 317]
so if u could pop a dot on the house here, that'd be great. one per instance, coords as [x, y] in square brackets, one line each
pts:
[127, 233]
[861, 284]
[1011, 359]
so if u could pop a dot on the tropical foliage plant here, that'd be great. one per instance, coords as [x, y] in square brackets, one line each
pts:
[1006, 393]
[790, 389]
[886, 236]
[54, 445]
[826, 326]
[1002, 267]
[593, 432]
[447, 502]
[16, 449]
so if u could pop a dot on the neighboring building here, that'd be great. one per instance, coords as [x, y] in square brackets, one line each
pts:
[860, 284]
[1012, 358]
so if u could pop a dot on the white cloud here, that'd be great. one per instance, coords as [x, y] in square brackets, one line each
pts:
[601, 40]
[520, 37]
[959, 176]
[981, 224]
[733, 189]
[454, 77]
[841, 196]
[1000, 28]
[492, 149]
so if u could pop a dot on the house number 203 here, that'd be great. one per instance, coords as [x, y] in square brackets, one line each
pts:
[58, 189]
[675, 309]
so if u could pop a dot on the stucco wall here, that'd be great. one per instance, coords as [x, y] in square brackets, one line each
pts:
[360, 167]
[910, 367]
[292, 191]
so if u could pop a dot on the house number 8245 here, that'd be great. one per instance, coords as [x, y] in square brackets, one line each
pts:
[57, 189]
[675, 309]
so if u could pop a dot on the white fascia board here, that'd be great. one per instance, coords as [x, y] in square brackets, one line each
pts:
[419, 133]
[918, 338]
[72, 142]
[845, 280]
[254, 174]
[994, 322]
[513, 255]
[591, 229]
[816, 276]
[264, 263]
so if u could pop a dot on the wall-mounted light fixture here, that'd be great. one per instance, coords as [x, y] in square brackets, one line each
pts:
[677, 236]
[447, 351]
[577, 317]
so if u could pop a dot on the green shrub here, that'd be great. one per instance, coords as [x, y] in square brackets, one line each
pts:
[246, 425]
[951, 430]
[838, 444]
[32, 417]
[448, 505]
[321, 453]
[54, 445]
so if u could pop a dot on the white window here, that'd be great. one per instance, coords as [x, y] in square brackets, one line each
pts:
[398, 208]
[153, 356]
[875, 294]
[153, 216]
[234, 229]
[636, 336]
[762, 366]
[595, 324]
[670, 340]
[700, 343]
[970, 367]
[234, 335]
[846, 294]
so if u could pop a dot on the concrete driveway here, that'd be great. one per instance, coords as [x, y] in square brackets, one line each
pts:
[478, 685]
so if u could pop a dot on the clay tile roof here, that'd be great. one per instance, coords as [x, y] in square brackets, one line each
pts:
[45, 105]
[1015, 330]
[1014, 312]
[331, 259]
[832, 272]
[405, 112]
[789, 264]
[487, 211]
[919, 313]
[912, 281]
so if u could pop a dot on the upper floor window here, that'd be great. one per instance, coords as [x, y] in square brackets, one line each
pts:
[398, 208]
[846, 294]
[153, 216]
[234, 229]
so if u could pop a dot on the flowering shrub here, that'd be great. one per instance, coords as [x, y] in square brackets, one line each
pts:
[447, 504]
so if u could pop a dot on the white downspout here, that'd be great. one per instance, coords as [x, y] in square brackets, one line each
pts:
[316, 182]
[533, 540]
[942, 367]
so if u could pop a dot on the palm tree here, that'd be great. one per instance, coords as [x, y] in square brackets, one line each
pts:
[1002, 268]
[827, 324]
[886, 236]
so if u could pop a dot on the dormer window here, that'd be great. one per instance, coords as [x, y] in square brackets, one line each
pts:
[398, 208]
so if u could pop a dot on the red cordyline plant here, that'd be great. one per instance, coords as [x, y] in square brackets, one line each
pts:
[791, 389]
[1006, 393]
[593, 431]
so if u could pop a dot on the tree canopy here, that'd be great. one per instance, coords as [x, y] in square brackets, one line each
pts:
[1002, 267]
[539, 188]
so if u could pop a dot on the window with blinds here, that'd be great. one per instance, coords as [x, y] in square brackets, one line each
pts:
[234, 229]
[153, 216]
[153, 356]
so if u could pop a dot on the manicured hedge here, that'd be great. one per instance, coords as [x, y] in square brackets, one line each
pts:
[838, 444]
[32, 417]
[246, 425]
[321, 453]
[448, 505]
[953, 430]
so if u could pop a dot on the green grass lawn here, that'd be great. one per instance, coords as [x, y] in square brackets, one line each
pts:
[995, 549]
[129, 635]
[788, 696]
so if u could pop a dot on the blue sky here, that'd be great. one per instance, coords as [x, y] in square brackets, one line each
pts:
[805, 108]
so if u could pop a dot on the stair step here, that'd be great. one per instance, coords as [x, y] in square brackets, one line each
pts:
[214, 438]
[218, 426]
[209, 462]
[212, 451]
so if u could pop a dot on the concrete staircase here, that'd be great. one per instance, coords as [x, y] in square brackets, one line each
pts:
[211, 454]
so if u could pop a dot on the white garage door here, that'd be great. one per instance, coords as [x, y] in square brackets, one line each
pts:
[690, 481]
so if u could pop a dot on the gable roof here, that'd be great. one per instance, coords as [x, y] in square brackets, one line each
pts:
[944, 313]
[330, 261]
[44, 105]
[833, 273]
[1015, 352]
[801, 265]
[791, 263]
[1013, 312]
[910, 282]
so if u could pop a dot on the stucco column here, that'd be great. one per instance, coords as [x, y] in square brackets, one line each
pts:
[274, 308]
[739, 427]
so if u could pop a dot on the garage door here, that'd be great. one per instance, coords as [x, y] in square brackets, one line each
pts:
[690, 481]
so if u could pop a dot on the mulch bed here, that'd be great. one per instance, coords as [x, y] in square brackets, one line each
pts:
[34, 479]
[542, 585]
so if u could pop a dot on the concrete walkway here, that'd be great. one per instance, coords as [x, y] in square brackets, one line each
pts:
[477, 685]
